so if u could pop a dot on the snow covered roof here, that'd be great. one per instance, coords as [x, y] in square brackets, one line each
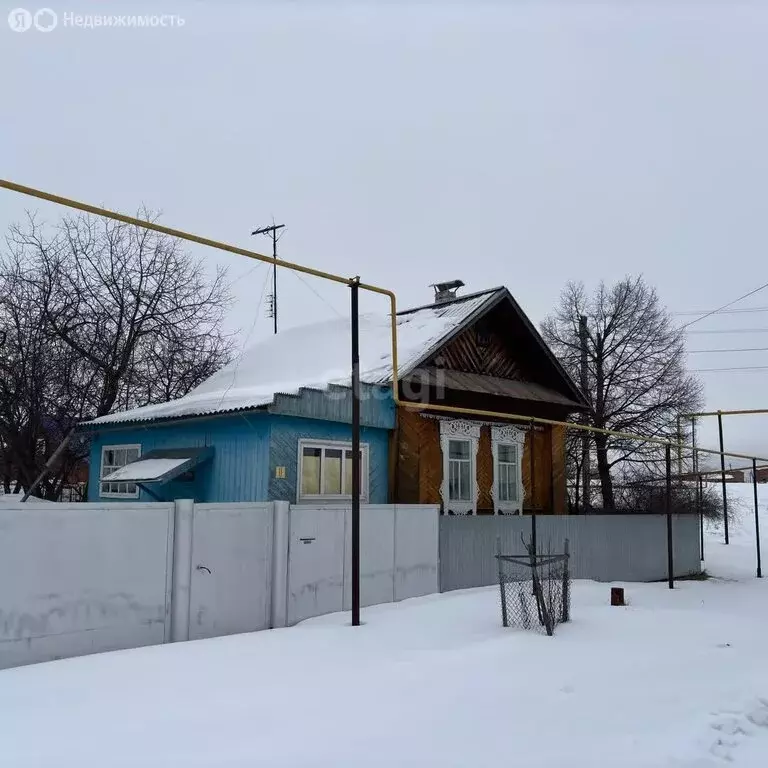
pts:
[316, 356]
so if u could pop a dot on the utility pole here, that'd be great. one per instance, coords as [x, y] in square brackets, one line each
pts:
[722, 476]
[272, 230]
[583, 337]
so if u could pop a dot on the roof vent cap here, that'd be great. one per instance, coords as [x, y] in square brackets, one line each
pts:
[446, 291]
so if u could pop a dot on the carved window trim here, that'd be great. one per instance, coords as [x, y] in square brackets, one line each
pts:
[469, 431]
[507, 435]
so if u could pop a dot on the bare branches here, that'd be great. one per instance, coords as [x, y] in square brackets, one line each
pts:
[99, 315]
[635, 365]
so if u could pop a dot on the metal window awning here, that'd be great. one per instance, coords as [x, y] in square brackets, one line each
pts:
[160, 465]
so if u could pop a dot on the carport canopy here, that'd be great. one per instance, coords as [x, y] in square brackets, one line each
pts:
[160, 465]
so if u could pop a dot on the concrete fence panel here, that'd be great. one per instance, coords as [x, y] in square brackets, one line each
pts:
[231, 574]
[398, 556]
[82, 578]
[315, 561]
[377, 555]
[417, 550]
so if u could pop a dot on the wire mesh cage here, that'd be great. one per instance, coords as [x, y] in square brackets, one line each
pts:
[535, 589]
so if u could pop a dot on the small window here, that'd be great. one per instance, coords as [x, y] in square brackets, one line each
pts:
[459, 470]
[507, 444]
[507, 471]
[112, 458]
[325, 471]
[459, 441]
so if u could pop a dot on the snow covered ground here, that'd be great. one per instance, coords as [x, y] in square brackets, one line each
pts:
[678, 678]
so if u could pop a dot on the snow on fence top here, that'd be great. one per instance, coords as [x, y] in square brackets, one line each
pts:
[316, 356]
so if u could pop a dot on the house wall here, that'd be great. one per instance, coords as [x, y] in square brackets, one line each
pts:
[418, 465]
[284, 440]
[237, 471]
[248, 448]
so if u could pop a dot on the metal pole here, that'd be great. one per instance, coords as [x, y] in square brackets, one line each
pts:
[354, 286]
[274, 278]
[701, 515]
[679, 445]
[670, 554]
[583, 337]
[48, 464]
[504, 617]
[722, 475]
[757, 519]
[698, 494]
[533, 491]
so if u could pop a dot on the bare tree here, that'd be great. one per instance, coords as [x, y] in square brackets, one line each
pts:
[94, 316]
[116, 294]
[637, 378]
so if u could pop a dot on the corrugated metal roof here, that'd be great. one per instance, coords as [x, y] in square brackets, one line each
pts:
[316, 356]
[491, 385]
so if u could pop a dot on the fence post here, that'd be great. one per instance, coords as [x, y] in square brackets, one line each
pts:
[183, 521]
[670, 554]
[504, 617]
[280, 543]
[757, 519]
[567, 581]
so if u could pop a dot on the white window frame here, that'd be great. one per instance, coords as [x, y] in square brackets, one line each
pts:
[507, 435]
[455, 429]
[118, 447]
[315, 498]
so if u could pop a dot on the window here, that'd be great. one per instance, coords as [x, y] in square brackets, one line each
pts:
[506, 467]
[325, 470]
[459, 470]
[507, 446]
[113, 457]
[459, 441]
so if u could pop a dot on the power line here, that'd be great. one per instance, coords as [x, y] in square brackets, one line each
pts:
[745, 310]
[721, 370]
[743, 349]
[245, 343]
[731, 330]
[319, 296]
[729, 304]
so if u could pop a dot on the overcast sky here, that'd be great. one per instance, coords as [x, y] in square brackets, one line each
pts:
[519, 144]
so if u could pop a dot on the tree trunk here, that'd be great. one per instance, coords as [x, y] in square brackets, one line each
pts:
[604, 471]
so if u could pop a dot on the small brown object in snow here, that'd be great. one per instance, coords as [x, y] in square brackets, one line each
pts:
[617, 596]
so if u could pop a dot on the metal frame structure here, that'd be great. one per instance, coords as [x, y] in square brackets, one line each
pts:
[354, 284]
[753, 467]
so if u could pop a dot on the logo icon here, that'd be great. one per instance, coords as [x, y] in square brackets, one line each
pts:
[45, 20]
[19, 19]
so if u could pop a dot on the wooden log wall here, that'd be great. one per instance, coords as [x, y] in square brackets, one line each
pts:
[417, 473]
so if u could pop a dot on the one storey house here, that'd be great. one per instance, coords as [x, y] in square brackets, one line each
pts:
[275, 423]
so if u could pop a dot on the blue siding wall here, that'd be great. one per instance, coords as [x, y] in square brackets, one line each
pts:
[285, 435]
[237, 471]
[247, 450]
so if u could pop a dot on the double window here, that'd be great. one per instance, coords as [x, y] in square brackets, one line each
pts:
[325, 471]
[459, 441]
[112, 458]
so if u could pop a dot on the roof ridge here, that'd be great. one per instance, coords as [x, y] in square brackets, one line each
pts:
[457, 300]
